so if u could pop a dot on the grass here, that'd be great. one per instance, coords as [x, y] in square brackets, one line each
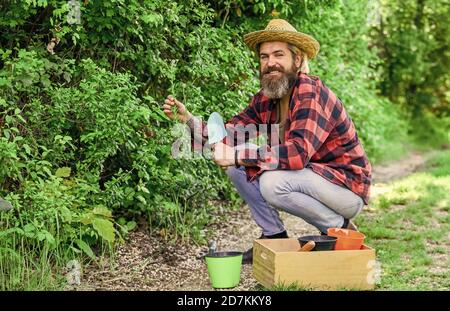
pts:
[409, 226]
[27, 265]
[26, 268]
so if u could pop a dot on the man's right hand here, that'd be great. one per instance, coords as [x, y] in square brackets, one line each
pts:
[182, 114]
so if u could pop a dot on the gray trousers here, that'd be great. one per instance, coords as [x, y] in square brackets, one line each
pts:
[302, 193]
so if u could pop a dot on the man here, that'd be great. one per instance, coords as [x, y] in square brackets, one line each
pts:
[318, 169]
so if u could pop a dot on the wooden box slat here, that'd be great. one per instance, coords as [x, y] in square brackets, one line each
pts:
[277, 261]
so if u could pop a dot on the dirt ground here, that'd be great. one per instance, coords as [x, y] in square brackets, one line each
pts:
[147, 262]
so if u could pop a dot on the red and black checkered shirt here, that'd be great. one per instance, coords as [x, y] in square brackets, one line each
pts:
[319, 135]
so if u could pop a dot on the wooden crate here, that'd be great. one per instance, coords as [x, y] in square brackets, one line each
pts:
[278, 262]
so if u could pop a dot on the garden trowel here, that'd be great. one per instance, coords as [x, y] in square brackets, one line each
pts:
[216, 128]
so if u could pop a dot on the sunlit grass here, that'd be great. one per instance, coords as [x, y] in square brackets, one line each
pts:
[409, 226]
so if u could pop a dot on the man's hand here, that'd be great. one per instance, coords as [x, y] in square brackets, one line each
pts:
[223, 155]
[182, 114]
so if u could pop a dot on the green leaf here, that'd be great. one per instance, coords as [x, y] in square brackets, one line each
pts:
[46, 170]
[29, 230]
[104, 228]
[26, 79]
[171, 207]
[27, 149]
[10, 231]
[66, 214]
[131, 225]
[86, 248]
[102, 210]
[141, 198]
[86, 219]
[4, 81]
[45, 235]
[152, 19]
[142, 188]
[63, 172]
[76, 250]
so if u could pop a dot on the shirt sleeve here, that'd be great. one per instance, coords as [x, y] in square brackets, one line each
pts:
[242, 126]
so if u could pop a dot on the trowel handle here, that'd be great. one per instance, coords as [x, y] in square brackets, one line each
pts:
[307, 247]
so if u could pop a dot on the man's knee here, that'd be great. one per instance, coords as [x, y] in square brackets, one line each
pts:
[272, 187]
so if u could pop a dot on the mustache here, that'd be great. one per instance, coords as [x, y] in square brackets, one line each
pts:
[273, 68]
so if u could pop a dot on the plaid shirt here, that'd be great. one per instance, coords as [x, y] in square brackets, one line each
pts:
[319, 135]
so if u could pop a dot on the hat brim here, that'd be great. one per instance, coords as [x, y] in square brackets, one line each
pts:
[303, 41]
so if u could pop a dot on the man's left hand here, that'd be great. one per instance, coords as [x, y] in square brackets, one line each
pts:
[223, 155]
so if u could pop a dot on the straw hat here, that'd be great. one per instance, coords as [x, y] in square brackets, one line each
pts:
[281, 30]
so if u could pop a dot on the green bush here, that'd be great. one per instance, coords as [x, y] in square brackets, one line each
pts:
[413, 39]
[84, 146]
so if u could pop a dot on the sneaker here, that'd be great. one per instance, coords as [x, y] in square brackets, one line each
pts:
[247, 257]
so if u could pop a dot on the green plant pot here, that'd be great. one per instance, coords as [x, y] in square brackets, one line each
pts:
[224, 269]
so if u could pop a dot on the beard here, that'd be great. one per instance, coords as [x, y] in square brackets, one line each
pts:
[275, 87]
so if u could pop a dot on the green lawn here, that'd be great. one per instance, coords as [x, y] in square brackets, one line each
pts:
[409, 227]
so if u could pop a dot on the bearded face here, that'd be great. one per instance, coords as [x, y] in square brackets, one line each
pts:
[278, 68]
[276, 80]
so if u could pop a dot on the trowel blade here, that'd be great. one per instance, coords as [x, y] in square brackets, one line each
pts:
[216, 128]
